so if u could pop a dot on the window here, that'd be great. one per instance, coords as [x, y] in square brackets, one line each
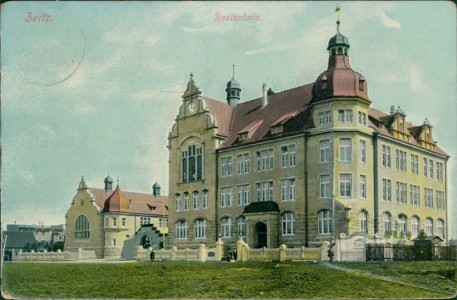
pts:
[345, 116]
[163, 222]
[288, 156]
[346, 185]
[325, 118]
[425, 167]
[386, 190]
[324, 151]
[362, 118]
[440, 203]
[363, 218]
[414, 227]
[226, 228]
[177, 202]
[196, 200]
[363, 151]
[226, 197]
[192, 164]
[401, 224]
[265, 191]
[186, 201]
[324, 219]
[324, 189]
[123, 222]
[265, 160]
[363, 186]
[243, 164]
[288, 189]
[114, 222]
[386, 156]
[145, 220]
[107, 222]
[401, 160]
[428, 198]
[431, 168]
[439, 171]
[414, 164]
[440, 228]
[181, 230]
[243, 195]
[429, 227]
[205, 199]
[226, 166]
[288, 224]
[401, 193]
[387, 223]
[345, 150]
[241, 226]
[200, 229]
[82, 228]
[415, 195]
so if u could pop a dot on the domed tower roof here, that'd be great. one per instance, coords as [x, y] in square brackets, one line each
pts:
[108, 179]
[233, 91]
[108, 183]
[156, 189]
[339, 80]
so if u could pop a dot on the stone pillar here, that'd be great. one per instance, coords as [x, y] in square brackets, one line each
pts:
[174, 252]
[202, 253]
[80, 253]
[219, 252]
[324, 248]
[282, 252]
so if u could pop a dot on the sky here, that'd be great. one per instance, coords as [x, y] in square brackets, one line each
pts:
[92, 88]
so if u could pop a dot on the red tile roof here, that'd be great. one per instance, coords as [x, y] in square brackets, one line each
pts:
[136, 203]
[223, 113]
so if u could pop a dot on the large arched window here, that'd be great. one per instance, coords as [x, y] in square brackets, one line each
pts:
[363, 217]
[401, 222]
[429, 227]
[200, 229]
[387, 223]
[192, 163]
[242, 226]
[181, 230]
[324, 224]
[415, 226]
[440, 228]
[226, 228]
[288, 224]
[82, 228]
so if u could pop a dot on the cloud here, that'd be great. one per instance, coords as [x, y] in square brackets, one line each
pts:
[86, 109]
[415, 78]
[131, 37]
[265, 50]
[388, 22]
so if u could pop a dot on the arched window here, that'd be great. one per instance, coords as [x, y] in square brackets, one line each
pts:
[429, 227]
[195, 200]
[415, 226]
[186, 201]
[177, 202]
[82, 228]
[387, 223]
[440, 228]
[288, 224]
[324, 219]
[200, 229]
[242, 226]
[226, 228]
[401, 224]
[181, 230]
[363, 217]
[192, 164]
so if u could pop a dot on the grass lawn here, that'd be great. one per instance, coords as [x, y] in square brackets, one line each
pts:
[219, 280]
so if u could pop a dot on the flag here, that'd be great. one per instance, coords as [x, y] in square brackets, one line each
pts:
[337, 9]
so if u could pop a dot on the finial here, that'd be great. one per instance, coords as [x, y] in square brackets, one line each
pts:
[233, 73]
[337, 10]
[117, 179]
[191, 76]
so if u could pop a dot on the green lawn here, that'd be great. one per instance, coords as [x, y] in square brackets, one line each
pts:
[221, 280]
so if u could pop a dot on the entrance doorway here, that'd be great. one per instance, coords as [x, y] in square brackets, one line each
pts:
[261, 235]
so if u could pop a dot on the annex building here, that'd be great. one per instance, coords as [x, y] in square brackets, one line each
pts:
[113, 223]
[301, 166]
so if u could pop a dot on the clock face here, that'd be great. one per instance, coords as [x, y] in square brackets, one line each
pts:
[191, 107]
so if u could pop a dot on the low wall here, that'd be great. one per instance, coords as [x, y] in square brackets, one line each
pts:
[244, 253]
[53, 256]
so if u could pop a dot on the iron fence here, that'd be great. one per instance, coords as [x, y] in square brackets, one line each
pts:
[399, 252]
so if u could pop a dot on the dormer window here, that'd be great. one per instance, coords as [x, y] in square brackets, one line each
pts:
[361, 82]
[249, 130]
[324, 82]
[243, 136]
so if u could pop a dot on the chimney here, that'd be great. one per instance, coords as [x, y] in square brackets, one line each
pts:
[392, 109]
[265, 94]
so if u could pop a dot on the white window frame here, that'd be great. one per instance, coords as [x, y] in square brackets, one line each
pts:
[226, 197]
[324, 186]
[386, 190]
[181, 230]
[324, 151]
[288, 224]
[265, 191]
[429, 227]
[346, 185]
[386, 156]
[345, 150]
[243, 195]
[363, 187]
[241, 221]
[226, 227]
[324, 222]
[288, 189]
[195, 198]
[363, 221]
[363, 151]
[243, 163]
[205, 203]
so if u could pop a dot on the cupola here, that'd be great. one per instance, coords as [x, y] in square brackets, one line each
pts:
[339, 80]
[233, 91]
[108, 183]
[156, 189]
